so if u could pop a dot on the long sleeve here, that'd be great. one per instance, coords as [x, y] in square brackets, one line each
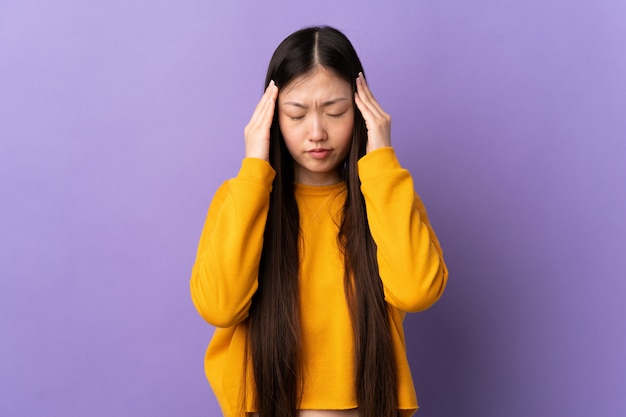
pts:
[410, 258]
[224, 275]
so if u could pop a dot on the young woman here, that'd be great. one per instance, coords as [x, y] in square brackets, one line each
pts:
[311, 256]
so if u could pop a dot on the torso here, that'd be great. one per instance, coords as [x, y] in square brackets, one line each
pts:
[328, 413]
[323, 413]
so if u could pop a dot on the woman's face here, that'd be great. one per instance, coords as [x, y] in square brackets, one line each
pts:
[316, 118]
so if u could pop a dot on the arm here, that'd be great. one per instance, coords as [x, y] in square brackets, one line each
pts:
[224, 276]
[410, 259]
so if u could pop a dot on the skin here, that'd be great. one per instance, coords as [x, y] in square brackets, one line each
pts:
[316, 118]
[315, 114]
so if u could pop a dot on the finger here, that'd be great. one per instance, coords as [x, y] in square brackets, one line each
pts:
[363, 89]
[369, 111]
[265, 103]
[368, 99]
[365, 99]
[271, 103]
[372, 116]
[375, 117]
[261, 102]
[365, 111]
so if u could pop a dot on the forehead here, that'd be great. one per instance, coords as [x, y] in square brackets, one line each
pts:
[320, 84]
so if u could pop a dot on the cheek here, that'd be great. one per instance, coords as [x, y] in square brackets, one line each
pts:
[281, 124]
[343, 138]
[290, 137]
[344, 131]
[288, 128]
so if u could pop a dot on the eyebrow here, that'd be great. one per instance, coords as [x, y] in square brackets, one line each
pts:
[324, 104]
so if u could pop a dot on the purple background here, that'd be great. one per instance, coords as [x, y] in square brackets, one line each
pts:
[118, 120]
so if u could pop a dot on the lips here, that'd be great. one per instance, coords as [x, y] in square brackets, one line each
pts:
[319, 153]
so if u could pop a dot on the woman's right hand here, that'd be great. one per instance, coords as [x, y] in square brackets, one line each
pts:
[257, 131]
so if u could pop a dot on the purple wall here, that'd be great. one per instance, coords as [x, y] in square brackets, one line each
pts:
[119, 119]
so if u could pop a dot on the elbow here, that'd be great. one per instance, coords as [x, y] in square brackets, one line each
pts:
[224, 321]
[218, 305]
[426, 291]
[216, 313]
[433, 286]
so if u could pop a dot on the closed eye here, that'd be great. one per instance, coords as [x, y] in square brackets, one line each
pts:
[337, 115]
[297, 117]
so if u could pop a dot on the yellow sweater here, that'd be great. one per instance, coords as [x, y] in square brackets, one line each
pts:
[224, 277]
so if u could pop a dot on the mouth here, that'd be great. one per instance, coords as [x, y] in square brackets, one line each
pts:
[319, 153]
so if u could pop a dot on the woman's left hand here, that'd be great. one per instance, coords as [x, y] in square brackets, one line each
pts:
[377, 121]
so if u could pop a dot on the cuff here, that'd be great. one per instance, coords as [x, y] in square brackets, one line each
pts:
[257, 171]
[378, 162]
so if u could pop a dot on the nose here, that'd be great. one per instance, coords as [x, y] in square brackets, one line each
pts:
[317, 130]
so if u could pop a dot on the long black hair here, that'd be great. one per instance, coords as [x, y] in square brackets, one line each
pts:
[274, 342]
